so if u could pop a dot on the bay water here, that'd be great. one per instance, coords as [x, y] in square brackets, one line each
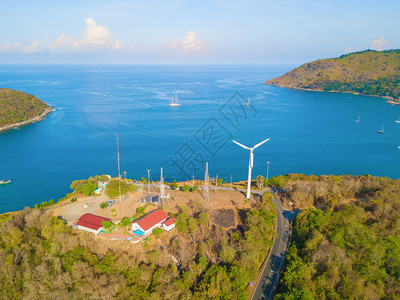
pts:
[310, 132]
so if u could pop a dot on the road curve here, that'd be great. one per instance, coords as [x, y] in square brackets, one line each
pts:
[270, 274]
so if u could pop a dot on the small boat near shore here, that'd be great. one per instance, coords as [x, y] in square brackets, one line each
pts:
[398, 120]
[5, 181]
[248, 103]
[358, 120]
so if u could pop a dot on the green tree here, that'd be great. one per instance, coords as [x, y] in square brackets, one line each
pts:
[114, 212]
[43, 204]
[260, 180]
[103, 205]
[175, 185]
[140, 210]
[88, 188]
[112, 189]
[186, 188]
[125, 222]
[220, 181]
[51, 202]
[106, 224]
[194, 188]
[203, 218]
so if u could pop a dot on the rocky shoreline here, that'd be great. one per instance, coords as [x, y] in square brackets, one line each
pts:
[389, 100]
[41, 117]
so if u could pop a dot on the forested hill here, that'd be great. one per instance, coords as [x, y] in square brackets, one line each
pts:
[369, 72]
[350, 249]
[16, 107]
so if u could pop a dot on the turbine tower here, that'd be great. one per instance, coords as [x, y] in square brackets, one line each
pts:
[250, 162]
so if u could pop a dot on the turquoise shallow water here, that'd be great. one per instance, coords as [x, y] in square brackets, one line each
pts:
[311, 132]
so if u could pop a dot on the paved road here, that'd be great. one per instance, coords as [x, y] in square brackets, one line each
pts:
[270, 274]
[268, 280]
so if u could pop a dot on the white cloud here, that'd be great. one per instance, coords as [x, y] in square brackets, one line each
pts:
[35, 47]
[189, 44]
[10, 47]
[95, 35]
[379, 44]
[62, 43]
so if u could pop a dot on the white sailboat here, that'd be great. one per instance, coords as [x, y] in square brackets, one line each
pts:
[381, 131]
[358, 120]
[398, 120]
[175, 101]
[248, 103]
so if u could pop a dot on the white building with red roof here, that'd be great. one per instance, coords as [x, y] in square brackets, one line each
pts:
[90, 223]
[168, 224]
[150, 221]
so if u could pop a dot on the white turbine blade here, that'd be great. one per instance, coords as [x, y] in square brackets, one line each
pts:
[243, 146]
[259, 144]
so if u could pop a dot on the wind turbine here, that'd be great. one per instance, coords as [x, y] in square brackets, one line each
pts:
[250, 162]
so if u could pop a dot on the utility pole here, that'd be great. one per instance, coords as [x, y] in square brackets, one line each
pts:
[231, 180]
[124, 174]
[119, 180]
[193, 180]
[267, 169]
[148, 181]
[216, 179]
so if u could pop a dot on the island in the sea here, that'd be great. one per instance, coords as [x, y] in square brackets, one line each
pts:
[19, 108]
[370, 72]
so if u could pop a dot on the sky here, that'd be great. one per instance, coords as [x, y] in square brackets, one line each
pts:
[193, 32]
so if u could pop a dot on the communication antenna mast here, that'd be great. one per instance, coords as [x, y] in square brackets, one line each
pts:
[148, 181]
[206, 179]
[162, 189]
[119, 179]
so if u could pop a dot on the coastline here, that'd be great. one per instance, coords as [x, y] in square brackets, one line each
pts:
[389, 100]
[41, 117]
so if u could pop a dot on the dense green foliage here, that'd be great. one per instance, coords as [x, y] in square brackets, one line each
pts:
[112, 189]
[16, 106]
[186, 188]
[368, 72]
[43, 258]
[351, 250]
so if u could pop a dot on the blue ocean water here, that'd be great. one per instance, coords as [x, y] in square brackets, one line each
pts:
[310, 132]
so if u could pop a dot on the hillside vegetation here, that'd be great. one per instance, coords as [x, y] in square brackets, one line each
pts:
[349, 250]
[16, 106]
[368, 72]
[43, 258]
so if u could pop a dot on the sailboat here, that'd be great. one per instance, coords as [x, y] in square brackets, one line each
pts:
[398, 120]
[381, 131]
[175, 101]
[5, 181]
[358, 119]
[248, 103]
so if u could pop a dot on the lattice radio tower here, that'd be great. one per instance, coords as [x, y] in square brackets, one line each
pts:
[206, 182]
[162, 190]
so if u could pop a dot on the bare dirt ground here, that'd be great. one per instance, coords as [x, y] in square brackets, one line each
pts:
[71, 212]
